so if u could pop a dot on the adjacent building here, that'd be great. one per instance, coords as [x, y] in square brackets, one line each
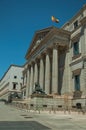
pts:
[11, 81]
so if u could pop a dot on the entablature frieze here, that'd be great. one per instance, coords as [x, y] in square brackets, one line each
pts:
[42, 55]
[55, 46]
[47, 51]
[55, 42]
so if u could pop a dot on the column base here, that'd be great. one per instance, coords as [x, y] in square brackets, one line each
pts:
[55, 93]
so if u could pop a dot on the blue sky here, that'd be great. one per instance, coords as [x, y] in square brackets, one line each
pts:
[19, 19]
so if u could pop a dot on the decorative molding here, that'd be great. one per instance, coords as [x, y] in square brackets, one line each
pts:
[76, 61]
[75, 38]
[76, 56]
[76, 72]
[83, 21]
[55, 45]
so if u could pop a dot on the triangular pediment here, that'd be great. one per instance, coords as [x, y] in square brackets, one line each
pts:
[37, 39]
[52, 34]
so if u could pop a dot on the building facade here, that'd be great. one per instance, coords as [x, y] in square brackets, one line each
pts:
[11, 81]
[56, 59]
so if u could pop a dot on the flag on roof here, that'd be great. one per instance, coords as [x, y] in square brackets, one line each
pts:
[54, 19]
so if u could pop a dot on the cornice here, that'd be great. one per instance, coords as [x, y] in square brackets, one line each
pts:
[78, 60]
[12, 65]
[76, 37]
[24, 86]
[78, 27]
[4, 87]
[75, 16]
[45, 29]
[4, 92]
[83, 21]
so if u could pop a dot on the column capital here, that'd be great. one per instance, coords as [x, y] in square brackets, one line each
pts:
[29, 65]
[32, 64]
[55, 45]
[42, 55]
[47, 51]
[37, 60]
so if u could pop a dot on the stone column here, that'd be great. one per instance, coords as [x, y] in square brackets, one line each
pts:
[35, 73]
[41, 75]
[47, 74]
[55, 70]
[27, 85]
[85, 37]
[31, 80]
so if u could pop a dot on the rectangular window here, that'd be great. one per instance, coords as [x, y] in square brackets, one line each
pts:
[77, 82]
[75, 24]
[24, 93]
[76, 48]
[14, 85]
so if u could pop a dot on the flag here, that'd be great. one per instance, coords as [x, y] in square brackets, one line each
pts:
[54, 19]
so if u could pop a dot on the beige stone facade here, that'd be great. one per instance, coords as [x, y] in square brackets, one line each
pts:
[44, 62]
[11, 81]
[56, 59]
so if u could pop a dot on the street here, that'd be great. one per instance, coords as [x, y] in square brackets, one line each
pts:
[14, 119]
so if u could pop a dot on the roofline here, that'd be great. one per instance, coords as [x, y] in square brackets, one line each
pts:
[12, 65]
[44, 29]
[76, 15]
[38, 31]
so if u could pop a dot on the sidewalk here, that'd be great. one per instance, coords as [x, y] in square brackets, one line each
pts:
[53, 121]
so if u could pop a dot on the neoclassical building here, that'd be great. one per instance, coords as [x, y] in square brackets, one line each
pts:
[56, 59]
